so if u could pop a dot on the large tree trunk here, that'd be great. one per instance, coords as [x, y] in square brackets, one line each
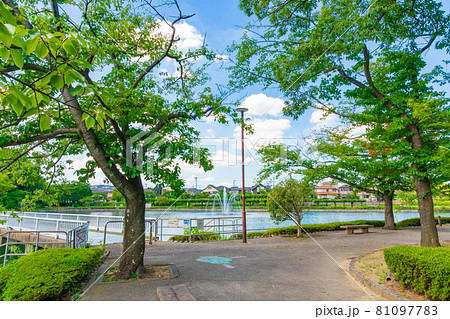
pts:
[132, 189]
[132, 260]
[389, 222]
[429, 235]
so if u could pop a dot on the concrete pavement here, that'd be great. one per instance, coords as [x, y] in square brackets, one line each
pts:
[276, 268]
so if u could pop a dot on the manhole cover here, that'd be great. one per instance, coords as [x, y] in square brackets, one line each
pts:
[215, 260]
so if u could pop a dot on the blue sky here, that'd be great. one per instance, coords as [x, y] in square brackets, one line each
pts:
[221, 22]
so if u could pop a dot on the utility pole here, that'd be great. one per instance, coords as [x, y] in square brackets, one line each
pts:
[244, 219]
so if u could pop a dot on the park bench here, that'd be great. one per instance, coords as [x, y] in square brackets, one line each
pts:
[351, 228]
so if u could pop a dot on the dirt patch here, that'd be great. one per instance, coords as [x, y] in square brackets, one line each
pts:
[151, 272]
[374, 268]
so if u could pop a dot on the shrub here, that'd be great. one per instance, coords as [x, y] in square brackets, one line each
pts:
[48, 274]
[424, 269]
[310, 228]
[416, 222]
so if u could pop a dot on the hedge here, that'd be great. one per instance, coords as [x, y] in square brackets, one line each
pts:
[416, 222]
[424, 269]
[310, 228]
[48, 274]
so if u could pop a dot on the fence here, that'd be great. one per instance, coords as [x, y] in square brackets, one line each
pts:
[96, 222]
[39, 223]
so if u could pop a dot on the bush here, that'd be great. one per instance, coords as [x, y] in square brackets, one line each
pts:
[48, 274]
[412, 222]
[424, 269]
[195, 237]
[310, 228]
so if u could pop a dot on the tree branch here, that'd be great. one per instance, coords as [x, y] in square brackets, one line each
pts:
[60, 132]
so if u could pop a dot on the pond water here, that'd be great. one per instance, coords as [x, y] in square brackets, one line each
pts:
[261, 220]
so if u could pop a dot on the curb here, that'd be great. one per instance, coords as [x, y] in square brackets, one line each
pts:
[377, 288]
[175, 293]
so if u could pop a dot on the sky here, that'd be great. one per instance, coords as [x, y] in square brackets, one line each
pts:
[219, 23]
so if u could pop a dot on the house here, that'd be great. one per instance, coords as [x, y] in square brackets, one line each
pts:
[107, 189]
[258, 189]
[210, 189]
[192, 191]
[327, 190]
[345, 190]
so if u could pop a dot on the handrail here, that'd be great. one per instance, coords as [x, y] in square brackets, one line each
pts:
[122, 221]
[36, 242]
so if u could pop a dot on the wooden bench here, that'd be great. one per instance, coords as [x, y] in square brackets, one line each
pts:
[350, 228]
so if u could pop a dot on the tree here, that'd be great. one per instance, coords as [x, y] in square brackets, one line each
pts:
[370, 58]
[90, 78]
[99, 197]
[162, 201]
[21, 180]
[342, 155]
[71, 193]
[117, 196]
[287, 200]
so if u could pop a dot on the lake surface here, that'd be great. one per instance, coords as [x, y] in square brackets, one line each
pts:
[261, 220]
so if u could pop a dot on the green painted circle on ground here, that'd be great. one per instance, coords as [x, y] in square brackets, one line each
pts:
[215, 260]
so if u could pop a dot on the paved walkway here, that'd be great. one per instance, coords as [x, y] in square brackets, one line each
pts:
[274, 268]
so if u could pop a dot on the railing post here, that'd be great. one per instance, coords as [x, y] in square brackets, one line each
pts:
[36, 224]
[104, 233]
[98, 223]
[6, 249]
[57, 229]
[218, 228]
[150, 231]
[156, 230]
[37, 241]
[190, 230]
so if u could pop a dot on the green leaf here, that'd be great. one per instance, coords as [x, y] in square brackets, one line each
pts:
[17, 58]
[11, 28]
[31, 112]
[41, 50]
[76, 90]
[4, 53]
[14, 103]
[19, 42]
[24, 99]
[100, 121]
[7, 15]
[31, 44]
[69, 47]
[84, 116]
[57, 81]
[44, 122]
[5, 36]
[90, 122]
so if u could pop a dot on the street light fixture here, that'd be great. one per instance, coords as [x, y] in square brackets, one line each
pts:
[244, 219]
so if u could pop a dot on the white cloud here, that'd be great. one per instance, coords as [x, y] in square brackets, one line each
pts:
[188, 35]
[265, 132]
[261, 104]
[70, 175]
[322, 120]
[221, 57]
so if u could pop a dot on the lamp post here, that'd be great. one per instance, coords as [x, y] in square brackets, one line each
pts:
[244, 219]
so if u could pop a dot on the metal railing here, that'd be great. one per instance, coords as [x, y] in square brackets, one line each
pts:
[38, 223]
[29, 246]
[150, 222]
[223, 227]
[96, 222]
